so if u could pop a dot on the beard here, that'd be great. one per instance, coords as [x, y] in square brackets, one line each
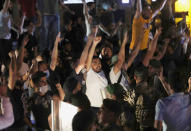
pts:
[19, 83]
[106, 58]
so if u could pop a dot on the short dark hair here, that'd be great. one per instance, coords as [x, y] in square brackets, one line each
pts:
[36, 77]
[96, 57]
[141, 72]
[107, 18]
[41, 63]
[107, 44]
[90, 4]
[145, 4]
[113, 106]
[81, 100]
[175, 80]
[69, 86]
[83, 120]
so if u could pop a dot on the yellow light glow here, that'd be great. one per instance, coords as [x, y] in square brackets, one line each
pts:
[149, 1]
[183, 6]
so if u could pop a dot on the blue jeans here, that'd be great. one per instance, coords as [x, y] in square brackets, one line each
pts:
[50, 29]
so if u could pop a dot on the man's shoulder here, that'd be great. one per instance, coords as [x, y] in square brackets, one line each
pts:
[165, 100]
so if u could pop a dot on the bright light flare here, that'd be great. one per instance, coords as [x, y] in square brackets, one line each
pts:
[184, 6]
[125, 1]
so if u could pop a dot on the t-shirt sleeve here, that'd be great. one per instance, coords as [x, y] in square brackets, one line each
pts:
[159, 109]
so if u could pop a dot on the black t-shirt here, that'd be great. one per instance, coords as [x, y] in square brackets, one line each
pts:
[18, 110]
[41, 108]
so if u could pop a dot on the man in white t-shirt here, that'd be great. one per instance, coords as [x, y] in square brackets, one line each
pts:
[96, 83]
[115, 74]
[95, 79]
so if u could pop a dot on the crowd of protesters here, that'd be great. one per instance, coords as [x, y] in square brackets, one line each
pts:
[121, 78]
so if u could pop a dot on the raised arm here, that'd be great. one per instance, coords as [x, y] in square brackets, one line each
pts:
[91, 53]
[161, 55]
[189, 84]
[39, 19]
[54, 56]
[139, 9]
[12, 72]
[164, 83]
[121, 55]
[84, 55]
[6, 6]
[102, 28]
[85, 9]
[60, 91]
[159, 9]
[134, 53]
[66, 7]
[150, 52]
[21, 52]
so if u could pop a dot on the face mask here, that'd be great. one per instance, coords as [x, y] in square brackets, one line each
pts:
[47, 73]
[43, 89]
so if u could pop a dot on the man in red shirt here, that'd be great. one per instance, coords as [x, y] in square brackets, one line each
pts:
[28, 7]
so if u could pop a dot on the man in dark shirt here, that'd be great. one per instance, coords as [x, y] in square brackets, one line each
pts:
[144, 99]
[40, 102]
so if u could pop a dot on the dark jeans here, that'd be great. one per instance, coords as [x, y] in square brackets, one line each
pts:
[49, 31]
